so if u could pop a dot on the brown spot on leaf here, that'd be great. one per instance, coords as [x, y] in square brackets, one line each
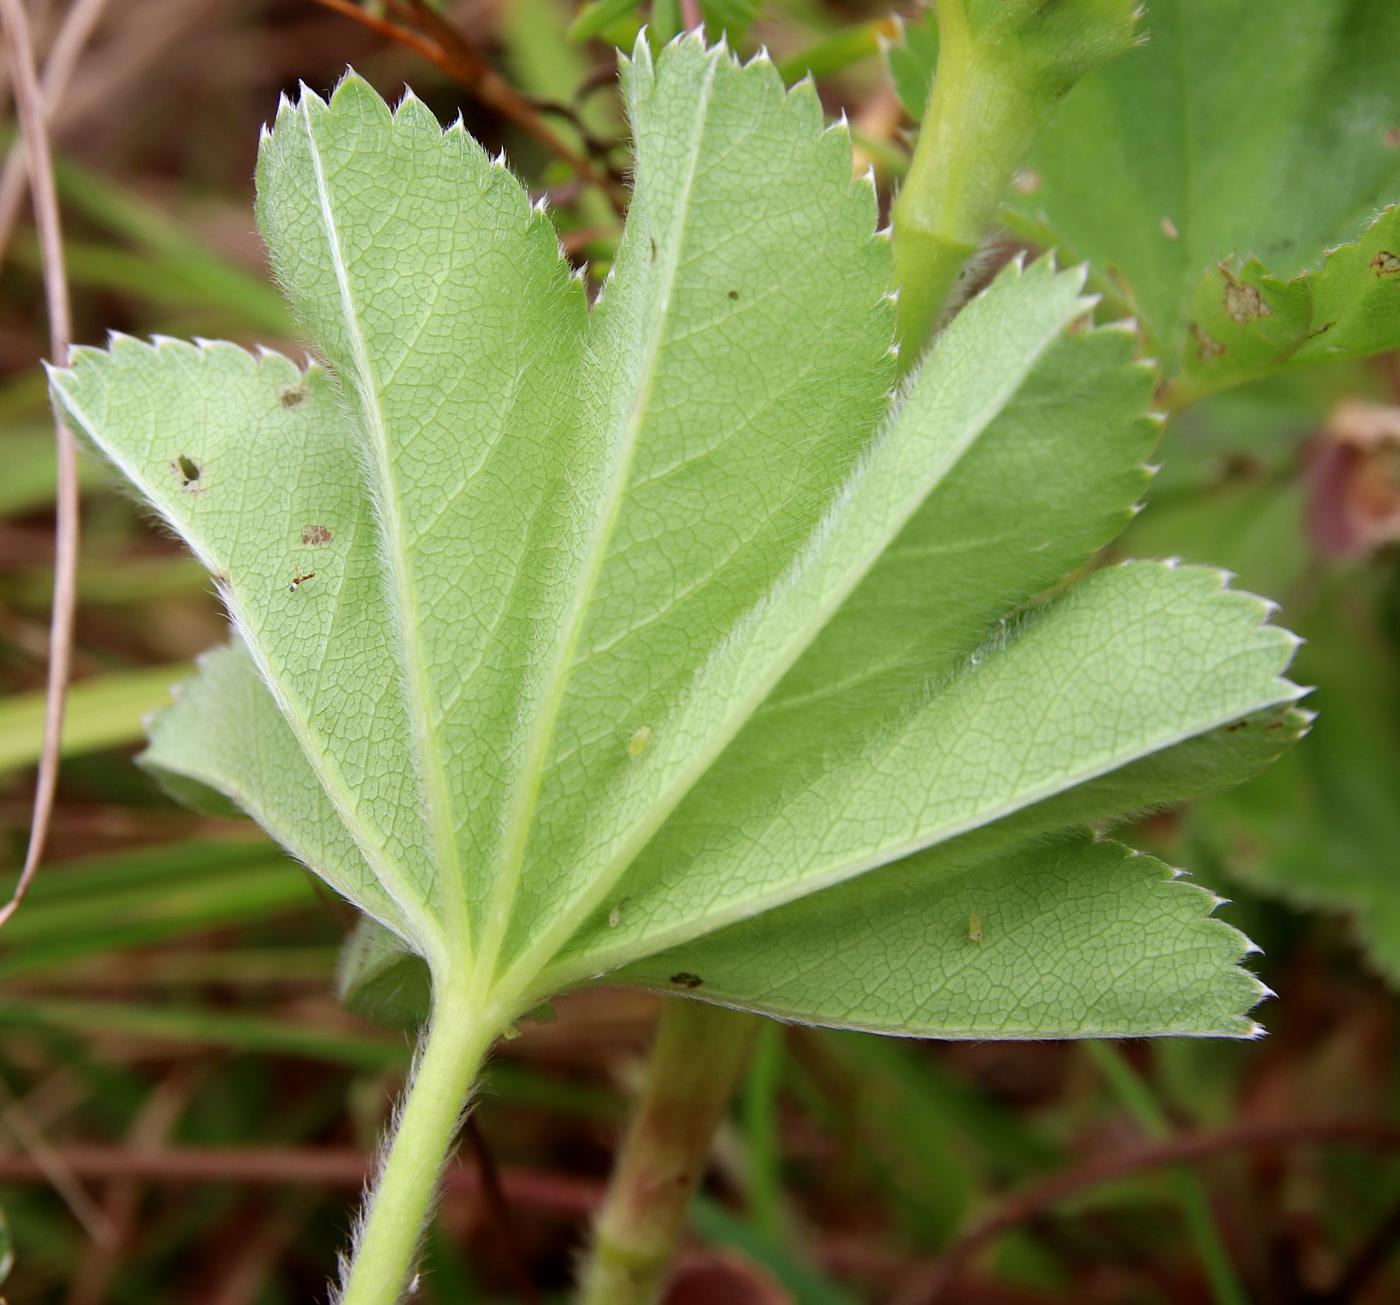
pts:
[733, 294]
[684, 980]
[1238, 725]
[292, 395]
[1386, 264]
[1392, 138]
[1208, 348]
[1169, 229]
[315, 536]
[1243, 302]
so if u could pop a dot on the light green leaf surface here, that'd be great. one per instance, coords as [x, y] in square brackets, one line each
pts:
[1237, 131]
[1050, 940]
[229, 738]
[633, 625]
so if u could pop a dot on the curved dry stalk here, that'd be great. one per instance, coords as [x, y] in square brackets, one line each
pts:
[29, 102]
[78, 26]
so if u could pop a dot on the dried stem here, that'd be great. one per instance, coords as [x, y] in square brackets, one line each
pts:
[534, 1189]
[29, 104]
[938, 1281]
[699, 1053]
[78, 25]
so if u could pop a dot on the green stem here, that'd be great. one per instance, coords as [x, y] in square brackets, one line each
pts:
[758, 1106]
[975, 130]
[1136, 1098]
[1003, 66]
[697, 1058]
[457, 1040]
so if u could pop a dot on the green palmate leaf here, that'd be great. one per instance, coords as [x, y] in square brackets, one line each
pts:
[1240, 132]
[624, 640]
[570, 638]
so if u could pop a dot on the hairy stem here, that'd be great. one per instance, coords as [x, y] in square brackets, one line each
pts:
[959, 168]
[451, 1054]
[696, 1060]
[1003, 66]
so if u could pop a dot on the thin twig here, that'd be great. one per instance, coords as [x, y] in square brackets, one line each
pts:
[33, 129]
[63, 56]
[157, 1116]
[937, 1282]
[51, 1164]
[477, 75]
[535, 1189]
[474, 74]
[498, 1207]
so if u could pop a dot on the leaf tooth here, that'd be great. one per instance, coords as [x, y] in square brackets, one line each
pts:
[307, 97]
[640, 59]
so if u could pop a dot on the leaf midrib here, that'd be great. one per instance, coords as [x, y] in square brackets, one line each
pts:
[506, 881]
[454, 933]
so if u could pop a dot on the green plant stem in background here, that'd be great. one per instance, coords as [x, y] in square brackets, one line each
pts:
[759, 1112]
[456, 1043]
[1136, 1098]
[695, 1063]
[1003, 65]
[966, 149]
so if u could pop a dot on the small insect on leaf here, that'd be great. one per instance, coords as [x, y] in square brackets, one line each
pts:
[187, 471]
[298, 580]
[684, 980]
[637, 744]
[974, 928]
